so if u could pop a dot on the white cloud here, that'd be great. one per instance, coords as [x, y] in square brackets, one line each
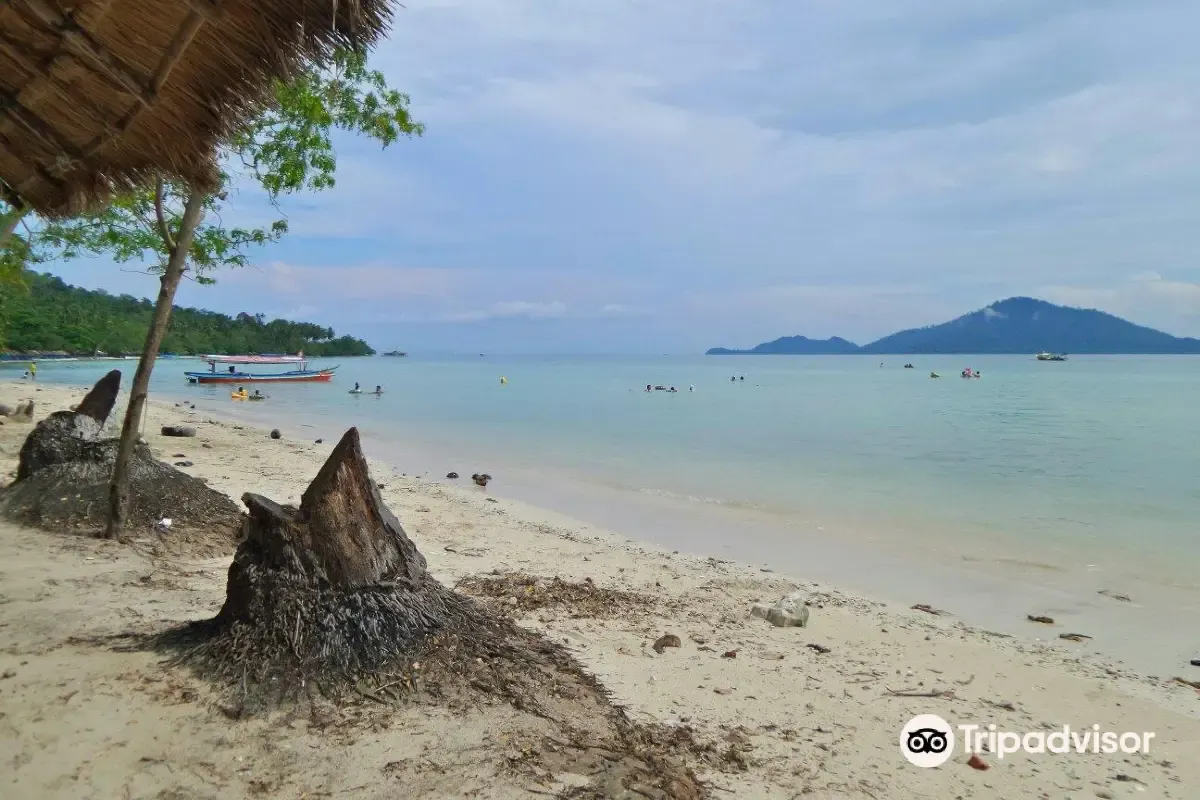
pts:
[624, 310]
[1145, 297]
[510, 309]
[764, 167]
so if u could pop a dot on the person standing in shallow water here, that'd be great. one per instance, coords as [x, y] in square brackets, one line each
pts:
[33, 370]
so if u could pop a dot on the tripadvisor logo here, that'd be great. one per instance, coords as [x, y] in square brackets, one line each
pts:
[927, 740]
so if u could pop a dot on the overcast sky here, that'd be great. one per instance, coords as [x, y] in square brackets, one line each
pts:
[669, 175]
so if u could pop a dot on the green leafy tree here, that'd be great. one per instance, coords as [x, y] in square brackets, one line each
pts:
[177, 230]
[52, 315]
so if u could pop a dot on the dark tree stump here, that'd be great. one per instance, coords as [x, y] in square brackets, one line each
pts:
[63, 476]
[99, 402]
[334, 589]
[63, 436]
[342, 535]
[332, 601]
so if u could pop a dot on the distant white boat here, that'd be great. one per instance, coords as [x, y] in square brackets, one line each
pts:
[1051, 357]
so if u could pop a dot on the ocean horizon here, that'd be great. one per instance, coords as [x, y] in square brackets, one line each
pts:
[1038, 480]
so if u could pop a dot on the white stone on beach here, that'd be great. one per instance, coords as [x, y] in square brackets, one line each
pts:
[790, 611]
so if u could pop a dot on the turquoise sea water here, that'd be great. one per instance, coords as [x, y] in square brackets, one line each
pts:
[1027, 490]
[1096, 450]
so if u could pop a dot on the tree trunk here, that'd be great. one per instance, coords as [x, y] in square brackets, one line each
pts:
[118, 500]
[10, 222]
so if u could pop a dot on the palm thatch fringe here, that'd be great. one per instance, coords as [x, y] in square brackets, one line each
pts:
[100, 96]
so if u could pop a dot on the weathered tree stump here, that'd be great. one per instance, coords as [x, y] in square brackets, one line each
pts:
[64, 470]
[98, 403]
[332, 601]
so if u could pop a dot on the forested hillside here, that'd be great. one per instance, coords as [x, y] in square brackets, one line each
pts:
[52, 316]
[1016, 325]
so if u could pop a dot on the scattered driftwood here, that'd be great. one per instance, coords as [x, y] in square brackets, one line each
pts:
[1193, 684]
[63, 476]
[178, 430]
[1124, 598]
[945, 694]
[518, 593]
[665, 641]
[928, 609]
[1074, 637]
[332, 602]
[22, 412]
[1039, 618]
[820, 648]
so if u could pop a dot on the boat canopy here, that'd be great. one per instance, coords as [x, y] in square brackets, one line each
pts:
[263, 359]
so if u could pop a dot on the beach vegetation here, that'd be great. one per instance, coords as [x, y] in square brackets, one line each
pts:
[179, 231]
[50, 316]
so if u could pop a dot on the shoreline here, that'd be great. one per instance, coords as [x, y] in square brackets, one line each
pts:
[989, 589]
[986, 589]
[825, 723]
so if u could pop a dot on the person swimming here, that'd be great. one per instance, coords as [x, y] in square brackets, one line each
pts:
[378, 390]
[692, 387]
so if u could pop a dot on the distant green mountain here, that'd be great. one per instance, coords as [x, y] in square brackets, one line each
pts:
[1015, 325]
[795, 345]
[55, 317]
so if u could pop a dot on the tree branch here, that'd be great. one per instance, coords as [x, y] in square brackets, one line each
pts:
[163, 230]
[11, 221]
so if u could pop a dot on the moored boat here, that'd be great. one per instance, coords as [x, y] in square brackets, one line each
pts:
[232, 375]
[1051, 357]
[292, 376]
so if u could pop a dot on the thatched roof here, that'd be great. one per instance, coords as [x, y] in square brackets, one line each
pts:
[99, 96]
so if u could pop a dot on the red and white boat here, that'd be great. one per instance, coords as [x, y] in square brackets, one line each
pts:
[230, 374]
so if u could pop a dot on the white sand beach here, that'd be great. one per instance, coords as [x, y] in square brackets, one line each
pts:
[82, 718]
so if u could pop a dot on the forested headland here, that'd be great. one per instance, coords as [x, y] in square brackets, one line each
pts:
[49, 316]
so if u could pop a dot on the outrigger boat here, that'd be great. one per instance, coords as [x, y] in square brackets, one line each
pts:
[232, 375]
